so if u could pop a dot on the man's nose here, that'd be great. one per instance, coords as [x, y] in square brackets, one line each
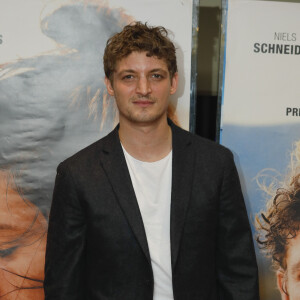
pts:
[143, 86]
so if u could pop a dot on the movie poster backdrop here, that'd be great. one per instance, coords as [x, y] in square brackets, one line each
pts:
[261, 125]
[53, 102]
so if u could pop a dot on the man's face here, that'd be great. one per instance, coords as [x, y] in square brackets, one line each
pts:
[142, 86]
[289, 280]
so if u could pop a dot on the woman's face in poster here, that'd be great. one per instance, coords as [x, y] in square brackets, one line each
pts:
[22, 244]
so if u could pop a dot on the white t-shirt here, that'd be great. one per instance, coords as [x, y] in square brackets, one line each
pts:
[152, 185]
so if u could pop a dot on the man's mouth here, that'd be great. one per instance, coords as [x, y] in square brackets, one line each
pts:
[143, 102]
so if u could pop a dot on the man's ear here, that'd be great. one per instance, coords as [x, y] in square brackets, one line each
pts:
[109, 87]
[174, 84]
[282, 284]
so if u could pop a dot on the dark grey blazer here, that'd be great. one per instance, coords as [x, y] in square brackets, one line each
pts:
[97, 247]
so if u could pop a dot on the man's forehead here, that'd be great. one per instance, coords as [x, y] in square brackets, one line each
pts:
[137, 60]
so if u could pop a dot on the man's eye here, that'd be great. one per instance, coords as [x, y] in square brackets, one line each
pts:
[128, 77]
[157, 76]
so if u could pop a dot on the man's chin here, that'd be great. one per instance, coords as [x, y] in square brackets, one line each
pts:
[147, 118]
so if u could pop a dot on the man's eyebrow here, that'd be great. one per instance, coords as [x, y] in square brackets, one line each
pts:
[151, 71]
[126, 71]
[158, 70]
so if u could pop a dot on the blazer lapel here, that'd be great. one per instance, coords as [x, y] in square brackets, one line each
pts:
[182, 180]
[115, 166]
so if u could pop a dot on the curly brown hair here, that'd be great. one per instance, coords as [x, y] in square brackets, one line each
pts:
[139, 37]
[281, 221]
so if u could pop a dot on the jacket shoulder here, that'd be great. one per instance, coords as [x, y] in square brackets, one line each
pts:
[88, 156]
[202, 145]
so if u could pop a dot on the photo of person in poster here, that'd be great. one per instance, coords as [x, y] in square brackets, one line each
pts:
[51, 105]
[279, 227]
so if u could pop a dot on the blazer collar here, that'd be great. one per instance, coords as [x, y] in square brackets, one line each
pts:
[182, 181]
[115, 166]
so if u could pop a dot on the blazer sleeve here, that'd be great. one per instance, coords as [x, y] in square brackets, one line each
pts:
[64, 265]
[236, 261]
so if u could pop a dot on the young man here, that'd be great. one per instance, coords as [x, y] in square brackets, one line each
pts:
[150, 211]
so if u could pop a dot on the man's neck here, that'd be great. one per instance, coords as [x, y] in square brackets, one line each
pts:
[146, 142]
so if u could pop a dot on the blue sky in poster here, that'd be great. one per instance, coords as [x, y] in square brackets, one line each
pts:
[257, 148]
